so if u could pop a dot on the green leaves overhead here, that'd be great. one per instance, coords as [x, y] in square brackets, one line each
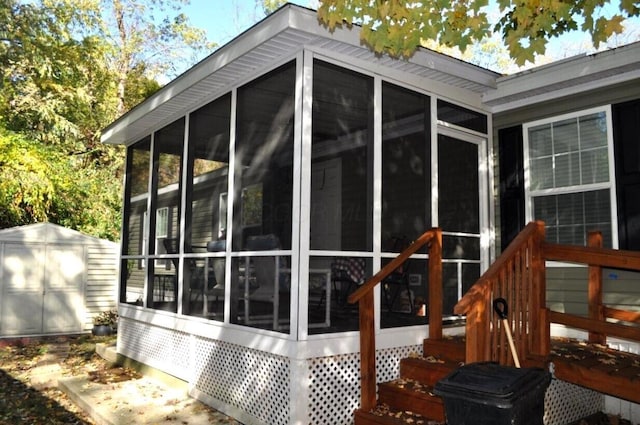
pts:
[398, 27]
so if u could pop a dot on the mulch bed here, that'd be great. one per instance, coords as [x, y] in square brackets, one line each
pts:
[602, 419]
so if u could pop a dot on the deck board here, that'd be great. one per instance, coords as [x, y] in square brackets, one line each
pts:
[597, 367]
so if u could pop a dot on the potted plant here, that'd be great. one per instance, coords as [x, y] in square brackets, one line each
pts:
[105, 323]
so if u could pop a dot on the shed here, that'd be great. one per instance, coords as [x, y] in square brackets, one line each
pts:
[53, 280]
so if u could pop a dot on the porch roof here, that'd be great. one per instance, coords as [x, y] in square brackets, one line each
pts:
[565, 77]
[275, 39]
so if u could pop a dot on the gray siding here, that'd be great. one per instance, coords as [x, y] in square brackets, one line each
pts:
[567, 289]
[604, 96]
[102, 278]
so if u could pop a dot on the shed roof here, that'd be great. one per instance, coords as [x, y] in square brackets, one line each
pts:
[275, 39]
[47, 233]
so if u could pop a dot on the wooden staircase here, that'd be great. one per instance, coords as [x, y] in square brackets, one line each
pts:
[409, 399]
[519, 277]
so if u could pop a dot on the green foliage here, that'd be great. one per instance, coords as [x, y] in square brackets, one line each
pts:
[67, 69]
[38, 183]
[398, 27]
[26, 189]
[54, 85]
[270, 6]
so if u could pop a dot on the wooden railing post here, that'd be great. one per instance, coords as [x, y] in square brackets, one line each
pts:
[596, 308]
[435, 286]
[367, 351]
[540, 335]
[477, 335]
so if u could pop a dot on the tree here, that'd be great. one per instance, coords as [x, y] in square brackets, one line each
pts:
[151, 36]
[54, 85]
[269, 6]
[398, 27]
[39, 183]
[62, 79]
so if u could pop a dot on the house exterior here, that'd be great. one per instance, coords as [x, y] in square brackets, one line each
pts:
[54, 280]
[265, 183]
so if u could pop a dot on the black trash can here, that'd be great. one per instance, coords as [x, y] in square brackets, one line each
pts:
[490, 394]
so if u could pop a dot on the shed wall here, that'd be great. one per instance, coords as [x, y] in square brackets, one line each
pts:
[45, 268]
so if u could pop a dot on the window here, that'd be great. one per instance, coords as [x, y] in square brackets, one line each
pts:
[342, 159]
[569, 183]
[162, 223]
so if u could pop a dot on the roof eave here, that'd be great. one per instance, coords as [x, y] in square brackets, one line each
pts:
[563, 78]
[304, 22]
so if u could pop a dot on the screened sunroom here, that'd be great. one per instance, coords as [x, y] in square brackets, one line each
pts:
[266, 184]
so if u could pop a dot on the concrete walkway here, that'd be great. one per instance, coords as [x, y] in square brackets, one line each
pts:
[135, 401]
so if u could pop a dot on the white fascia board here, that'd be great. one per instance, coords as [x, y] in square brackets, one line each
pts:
[295, 18]
[568, 76]
[455, 67]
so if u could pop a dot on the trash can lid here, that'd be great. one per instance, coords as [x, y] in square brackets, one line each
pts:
[491, 380]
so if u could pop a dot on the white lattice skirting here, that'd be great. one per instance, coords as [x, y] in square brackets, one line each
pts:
[258, 387]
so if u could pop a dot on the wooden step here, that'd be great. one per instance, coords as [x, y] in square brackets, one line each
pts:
[426, 370]
[410, 395]
[384, 415]
[448, 348]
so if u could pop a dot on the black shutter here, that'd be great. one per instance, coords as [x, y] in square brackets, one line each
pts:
[512, 214]
[626, 145]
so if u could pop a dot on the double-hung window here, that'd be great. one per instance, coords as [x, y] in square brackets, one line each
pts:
[569, 176]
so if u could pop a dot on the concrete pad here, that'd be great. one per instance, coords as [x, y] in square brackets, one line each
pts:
[107, 352]
[138, 401]
[45, 376]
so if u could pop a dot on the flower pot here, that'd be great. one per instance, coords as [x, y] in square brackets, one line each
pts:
[101, 330]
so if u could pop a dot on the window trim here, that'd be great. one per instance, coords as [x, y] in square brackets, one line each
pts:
[162, 223]
[581, 188]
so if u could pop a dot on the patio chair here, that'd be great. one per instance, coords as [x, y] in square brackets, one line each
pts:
[195, 275]
[398, 280]
[346, 275]
[264, 279]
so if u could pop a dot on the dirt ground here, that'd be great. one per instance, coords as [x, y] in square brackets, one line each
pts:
[29, 394]
[25, 402]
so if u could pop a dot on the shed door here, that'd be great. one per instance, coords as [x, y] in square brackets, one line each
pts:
[42, 289]
[63, 300]
[22, 277]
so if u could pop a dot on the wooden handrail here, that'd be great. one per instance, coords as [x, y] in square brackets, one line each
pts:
[392, 266]
[519, 275]
[475, 294]
[597, 257]
[603, 257]
[364, 297]
[598, 326]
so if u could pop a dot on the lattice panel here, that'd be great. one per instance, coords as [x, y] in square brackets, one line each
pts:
[335, 389]
[565, 403]
[335, 383]
[164, 349]
[253, 381]
[388, 361]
